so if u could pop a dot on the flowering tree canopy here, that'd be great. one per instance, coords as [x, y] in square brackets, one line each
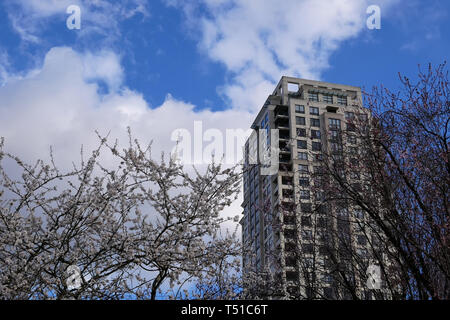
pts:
[96, 233]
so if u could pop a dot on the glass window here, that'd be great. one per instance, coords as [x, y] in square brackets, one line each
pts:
[363, 117]
[301, 144]
[291, 276]
[351, 139]
[334, 123]
[328, 98]
[320, 196]
[300, 121]
[307, 234]
[290, 234]
[299, 108]
[306, 221]
[314, 110]
[362, 253]
[306, 207]
[315, 123]
[302, 168]
[342, 101]
[336, 146]
[342, 212]
[359, 214]
[334, 134]
[362, 240]
[304, 182]
[349, 115]
[303, 156]
[313, 96]
[301, 132]
[265, 121]
[318, 157]
[290, 220]
[355, 175]
[315, 134]
[317, 146]
[327, 278]
[351, 127]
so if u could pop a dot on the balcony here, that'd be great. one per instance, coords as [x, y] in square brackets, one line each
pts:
[280, 113]
[284, 144]
[282, 123]
[285, 151]
[284, 167]
[288, 194]
[332, 109]
[285, 180]
[284, 135]
[281, 110]
[285, 158]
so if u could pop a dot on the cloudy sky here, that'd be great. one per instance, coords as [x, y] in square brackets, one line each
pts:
[160, 65]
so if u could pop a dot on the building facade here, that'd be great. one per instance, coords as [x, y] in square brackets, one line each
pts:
[288, 235]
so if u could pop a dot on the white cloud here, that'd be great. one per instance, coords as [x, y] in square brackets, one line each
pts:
[45, 8]
[259, 41]
[4, 65]
[98, 17]
[104, 65]
[60, 105]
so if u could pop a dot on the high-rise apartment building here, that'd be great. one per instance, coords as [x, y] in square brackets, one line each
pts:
[286, 232]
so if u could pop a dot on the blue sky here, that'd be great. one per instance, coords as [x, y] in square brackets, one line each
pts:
[158, 55]
[160, 49]
[160, 65]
